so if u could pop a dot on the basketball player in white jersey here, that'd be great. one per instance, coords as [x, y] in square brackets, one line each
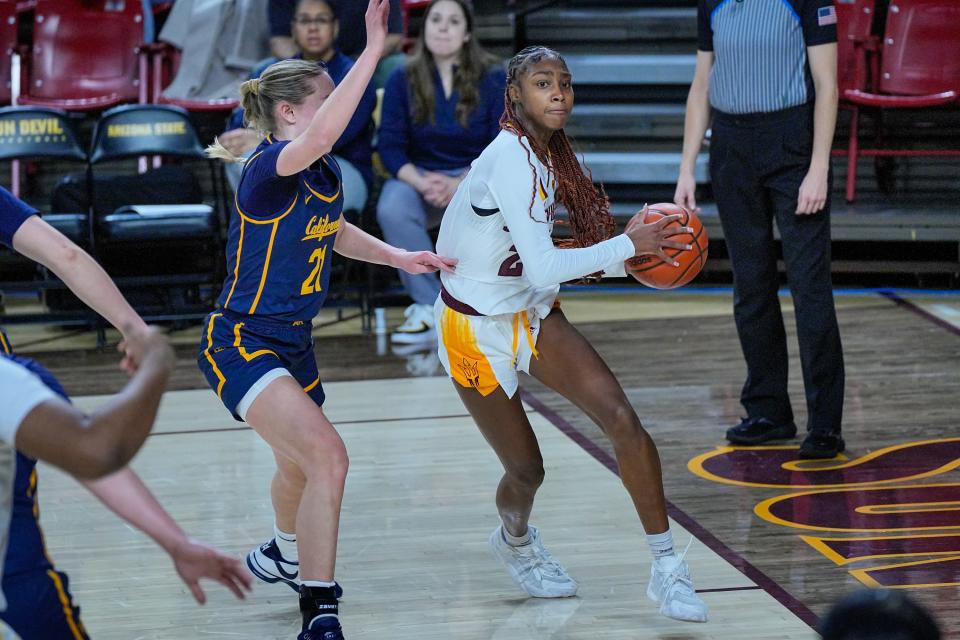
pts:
[498, 314]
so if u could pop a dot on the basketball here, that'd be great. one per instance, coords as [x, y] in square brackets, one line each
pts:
[654, 272]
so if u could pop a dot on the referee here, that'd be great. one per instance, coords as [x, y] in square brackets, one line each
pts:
[766, 73]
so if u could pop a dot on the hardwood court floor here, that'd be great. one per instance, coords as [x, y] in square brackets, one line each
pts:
[419, 501]
[413, 557]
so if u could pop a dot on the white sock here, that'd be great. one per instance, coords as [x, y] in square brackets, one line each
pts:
[661, 548]
[317, 583]
[516, 541]
[287, 544]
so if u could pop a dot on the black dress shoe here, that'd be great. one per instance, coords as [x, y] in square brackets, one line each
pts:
[753, 431]
[818, 446]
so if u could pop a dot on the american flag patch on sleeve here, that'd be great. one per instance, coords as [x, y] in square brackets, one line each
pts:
[826, 16]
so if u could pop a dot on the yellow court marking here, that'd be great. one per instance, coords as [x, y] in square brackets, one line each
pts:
[863, 575]
[763, 509]
[696, 466]
[821, 545]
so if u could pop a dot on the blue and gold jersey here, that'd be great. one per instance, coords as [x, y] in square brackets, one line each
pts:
[280, 242]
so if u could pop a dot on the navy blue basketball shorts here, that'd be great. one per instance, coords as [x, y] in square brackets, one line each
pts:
[40, 606]
[240, 355]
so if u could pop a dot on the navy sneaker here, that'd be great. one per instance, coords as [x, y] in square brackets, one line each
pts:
[320, 610]
[754, 431]
[267, 564]
[821, 446]
[325, 628]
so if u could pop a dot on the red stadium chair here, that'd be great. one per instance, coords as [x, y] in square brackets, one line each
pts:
[86, 55]
[920, 67]
[855, 44]
[8, 42]
[413, 11]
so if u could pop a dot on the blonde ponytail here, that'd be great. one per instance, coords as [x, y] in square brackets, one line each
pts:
[217, 151]
[283, 81]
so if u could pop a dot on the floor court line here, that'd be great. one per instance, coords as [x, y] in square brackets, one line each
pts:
[923, 313]
[185, 432]
[724, 589]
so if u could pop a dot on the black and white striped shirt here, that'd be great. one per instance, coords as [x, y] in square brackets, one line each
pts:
[760, 50]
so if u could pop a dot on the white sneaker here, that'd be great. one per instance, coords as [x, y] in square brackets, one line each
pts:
[673, 589]
[532, 567]
[418, 326]
[268, 565]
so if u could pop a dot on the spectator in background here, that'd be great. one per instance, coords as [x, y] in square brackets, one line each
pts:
[878, 614]
[315, 26]
[439, 112]
[352, 36]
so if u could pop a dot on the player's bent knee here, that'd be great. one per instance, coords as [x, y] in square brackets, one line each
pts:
[324, 454]
[530, 476]
[622, 423]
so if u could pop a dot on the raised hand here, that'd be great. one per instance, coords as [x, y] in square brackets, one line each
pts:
[378, 11]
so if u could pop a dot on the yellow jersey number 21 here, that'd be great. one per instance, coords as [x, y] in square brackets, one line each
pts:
[312, 283]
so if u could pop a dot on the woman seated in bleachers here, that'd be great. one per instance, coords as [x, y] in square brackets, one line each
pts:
[439, 112]
[352, 37]
[314, 29]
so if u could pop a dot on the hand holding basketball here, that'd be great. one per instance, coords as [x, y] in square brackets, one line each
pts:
[650, 235]
[671, 246]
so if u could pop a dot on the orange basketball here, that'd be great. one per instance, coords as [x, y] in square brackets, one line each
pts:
[654, 272]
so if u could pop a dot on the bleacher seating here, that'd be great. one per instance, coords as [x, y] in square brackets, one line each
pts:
[63, 69]
[632, 64]
[40, 134]
[919, 67]
[171, 249]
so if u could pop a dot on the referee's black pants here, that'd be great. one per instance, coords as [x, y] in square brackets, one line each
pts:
[757, 162]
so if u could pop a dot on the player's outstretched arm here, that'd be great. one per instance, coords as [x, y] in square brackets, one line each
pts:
[106, 440]
[334, 114]
[42, 243]
[125, 494]
[355, 243]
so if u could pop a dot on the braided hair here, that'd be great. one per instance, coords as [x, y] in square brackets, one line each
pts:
[588, 206]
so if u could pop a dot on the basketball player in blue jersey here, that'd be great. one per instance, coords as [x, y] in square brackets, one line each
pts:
[40, 605]
[256, 350]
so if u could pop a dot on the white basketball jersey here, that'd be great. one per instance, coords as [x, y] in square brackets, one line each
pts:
[20, 392]
[499, 225]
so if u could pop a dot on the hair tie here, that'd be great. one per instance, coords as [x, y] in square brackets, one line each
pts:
[255, 86]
